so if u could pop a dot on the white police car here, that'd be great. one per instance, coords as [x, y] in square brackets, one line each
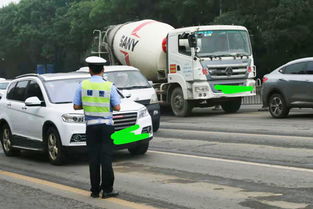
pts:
[36, 113]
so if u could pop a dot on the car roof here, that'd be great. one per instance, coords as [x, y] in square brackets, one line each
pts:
[300, 60]
[81, 73]
[55, 76]
[63, 76]
[5, 81]
[110, 68]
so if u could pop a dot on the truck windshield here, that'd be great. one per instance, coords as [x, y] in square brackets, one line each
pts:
[219, 43]
[130, 79]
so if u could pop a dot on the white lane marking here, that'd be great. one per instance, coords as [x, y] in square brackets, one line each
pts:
[238, 134]
[235, 161]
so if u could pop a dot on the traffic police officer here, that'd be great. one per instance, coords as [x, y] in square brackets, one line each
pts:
[98, 98]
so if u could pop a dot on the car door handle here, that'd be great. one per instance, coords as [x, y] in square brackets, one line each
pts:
[281, 79]
[9, 105]
[24, 108]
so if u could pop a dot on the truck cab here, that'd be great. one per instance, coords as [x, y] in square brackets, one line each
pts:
[201, 57]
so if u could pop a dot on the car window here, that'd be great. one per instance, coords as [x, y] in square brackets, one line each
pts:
[33, 90]
[298, 68]
[309, 68]
[11, 90]
[127, 79]
[20, 90]
[3, 86]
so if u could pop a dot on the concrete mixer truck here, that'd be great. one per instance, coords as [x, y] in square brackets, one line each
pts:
[185, 64]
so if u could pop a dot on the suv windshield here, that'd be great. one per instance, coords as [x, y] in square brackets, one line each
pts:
[218, 43]
[3, 86]
[127, 79]
[62, 91]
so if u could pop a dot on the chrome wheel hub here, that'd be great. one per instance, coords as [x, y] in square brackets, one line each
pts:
[6, 140]
[276, 106]
[52, 147]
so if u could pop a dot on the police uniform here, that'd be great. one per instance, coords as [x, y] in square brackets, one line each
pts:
[97, 97]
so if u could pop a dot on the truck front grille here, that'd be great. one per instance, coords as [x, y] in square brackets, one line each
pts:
[124, 120]
[227, 72]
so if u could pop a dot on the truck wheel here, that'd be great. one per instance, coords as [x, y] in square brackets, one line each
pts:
[55, 151]
[140, 149]
[180, 106]
[6, 141]
[232, 106]
[277, 106]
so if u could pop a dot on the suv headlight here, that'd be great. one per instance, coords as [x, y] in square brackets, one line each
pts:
[154, 99]
[73, 118]
[142, 113]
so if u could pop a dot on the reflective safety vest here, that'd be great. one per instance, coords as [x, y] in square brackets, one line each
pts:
[96, 98]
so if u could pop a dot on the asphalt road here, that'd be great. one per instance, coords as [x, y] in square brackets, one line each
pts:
[209, 160]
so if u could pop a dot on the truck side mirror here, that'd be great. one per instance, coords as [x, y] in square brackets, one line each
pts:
[192, 41]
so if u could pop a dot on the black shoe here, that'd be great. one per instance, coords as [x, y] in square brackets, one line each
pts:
[94, 195]
[110, 194]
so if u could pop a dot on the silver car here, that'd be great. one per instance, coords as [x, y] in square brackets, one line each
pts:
[289, 86]
[3, 85]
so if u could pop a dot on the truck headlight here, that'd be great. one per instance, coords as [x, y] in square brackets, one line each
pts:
[154, 99]
[202, 89]
[73, 118]
[142, 113]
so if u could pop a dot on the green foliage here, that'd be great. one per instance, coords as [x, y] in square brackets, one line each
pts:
[61, 31]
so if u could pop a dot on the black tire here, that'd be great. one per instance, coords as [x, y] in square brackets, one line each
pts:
[232, 106]
[54, 148]
[140, 149]
[180, 106]
[278, 106]
[6, 141]
[156, 125]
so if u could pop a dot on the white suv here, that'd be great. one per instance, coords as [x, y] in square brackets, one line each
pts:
[37, 114]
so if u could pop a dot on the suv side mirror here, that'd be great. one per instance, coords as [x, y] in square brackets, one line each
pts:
[192, 40]
[33, 101]
[151, 83]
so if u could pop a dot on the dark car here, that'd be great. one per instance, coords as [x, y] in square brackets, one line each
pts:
[289, 86]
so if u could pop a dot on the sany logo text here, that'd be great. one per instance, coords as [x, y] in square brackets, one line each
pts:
[128, 43]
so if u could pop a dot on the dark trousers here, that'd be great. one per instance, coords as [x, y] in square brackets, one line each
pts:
[100, 151]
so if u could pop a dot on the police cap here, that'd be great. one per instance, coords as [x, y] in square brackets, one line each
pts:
[94, 60]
